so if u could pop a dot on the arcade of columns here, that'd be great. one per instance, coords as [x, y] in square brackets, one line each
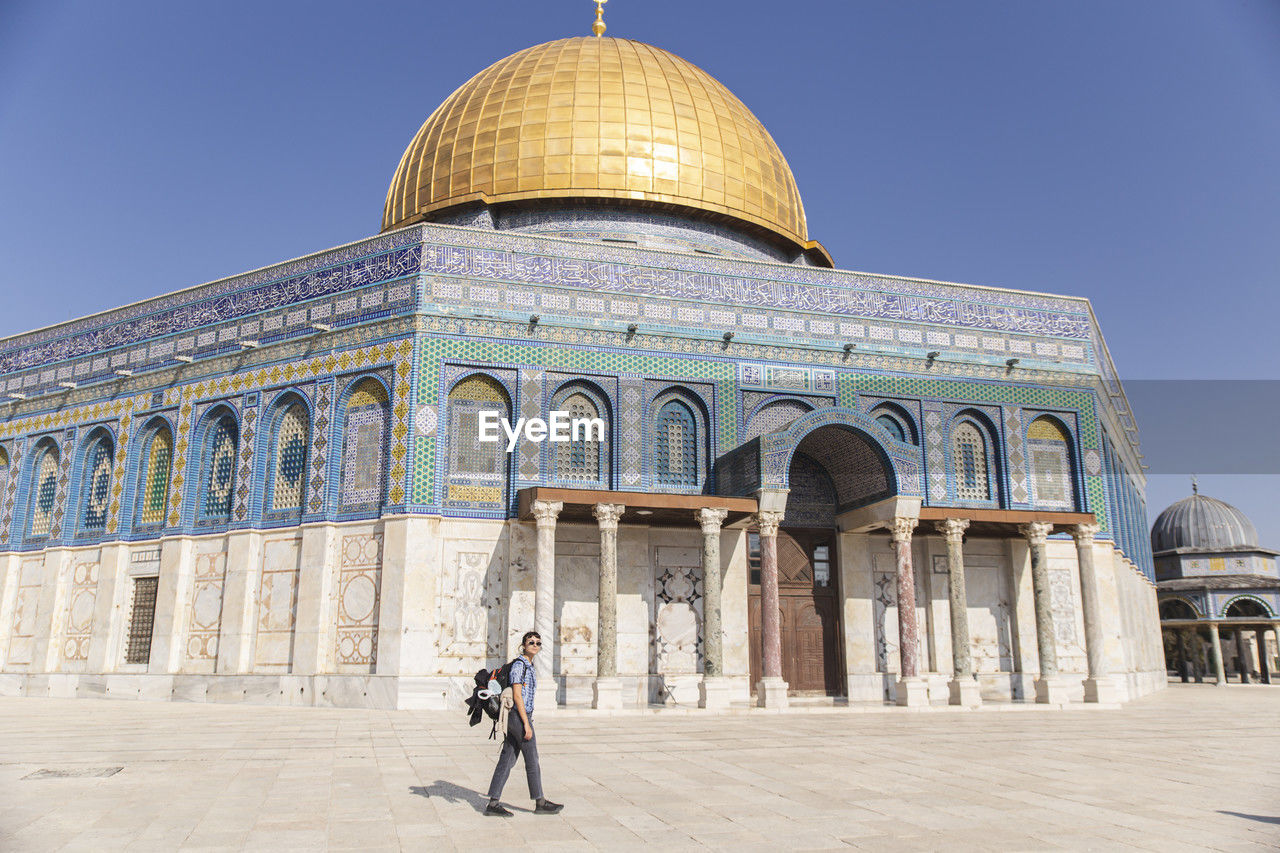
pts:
[772, 690]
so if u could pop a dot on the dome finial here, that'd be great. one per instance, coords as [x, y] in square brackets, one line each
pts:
[598, 27]
[1195, 487]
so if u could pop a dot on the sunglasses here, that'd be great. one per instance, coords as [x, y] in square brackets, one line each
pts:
[534, 643]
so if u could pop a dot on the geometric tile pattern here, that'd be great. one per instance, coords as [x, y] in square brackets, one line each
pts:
[935, 457]
[320, 444]
[117, 477]
[530, 407]
[81, 598]
[631, 390]
[1015, 457]
[11, 487]
[245, 476]
[64, 480]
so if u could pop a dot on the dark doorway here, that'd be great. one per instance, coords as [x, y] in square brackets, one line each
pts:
[808, 601]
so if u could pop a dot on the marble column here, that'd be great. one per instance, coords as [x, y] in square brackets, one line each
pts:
[607, 688]
[963, 686]
[1099, 686]
[1242, 655]
[1264, 666]
[771, 692]
[912, 689]
[544, 603]
[713, 693]
[1049, 689]
[1215, 646]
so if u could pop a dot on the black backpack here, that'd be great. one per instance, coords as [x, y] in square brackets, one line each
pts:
[493, 704]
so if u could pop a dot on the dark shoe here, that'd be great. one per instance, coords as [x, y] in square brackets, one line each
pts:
[547, 807]
[497, 810]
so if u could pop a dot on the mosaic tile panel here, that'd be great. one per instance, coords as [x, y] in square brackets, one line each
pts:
[244, 476]
[320, 446]
[118, 474]
[11, 488]
[631, 450]
[1015, 458]
[935, 455]
[530, 407]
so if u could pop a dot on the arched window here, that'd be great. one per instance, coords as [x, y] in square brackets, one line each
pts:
[44, 489]
[364, 441]
[153, 495]
[1176, 608]
[220, 468]
[95, 494]
[774, 416]
[676, 451]
[1246, 608]
[477, 469]
[289, 458]
[969, 463]
[584, 460]
[1049, 452]
[892, 426]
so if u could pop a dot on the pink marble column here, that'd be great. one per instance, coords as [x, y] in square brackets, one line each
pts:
[908, 630]
[770, 628]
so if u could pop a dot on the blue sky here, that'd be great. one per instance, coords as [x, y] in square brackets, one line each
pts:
[1128, 152]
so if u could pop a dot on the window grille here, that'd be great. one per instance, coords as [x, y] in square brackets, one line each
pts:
[969, 461]
[292, 442]
[155, 493]
[97, 487]
[753, 557]
[141, 620]
[579, 460]
[364, 440]
[45, 493]
[893, 427]
[677, 445]
[468, 456]
[222, 469]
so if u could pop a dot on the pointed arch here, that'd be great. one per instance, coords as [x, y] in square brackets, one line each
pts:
[363, 480]
[773, 416]
[1052, 463]
[680, 440]
[219, 453]
[973, 459]
[289, 431]
[154, 477]
[44, 487]
[478, 470]
[897, 421]
[96, 463]
[587, 459]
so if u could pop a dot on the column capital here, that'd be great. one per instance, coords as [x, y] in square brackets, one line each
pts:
[768, 522]
[710, 519]
[902, 528]
[546, 512]
[608, 515]
[1084, 533]
[953, 528]
[1036, 531]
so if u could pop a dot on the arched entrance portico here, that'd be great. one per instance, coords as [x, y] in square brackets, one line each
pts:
[833, 468]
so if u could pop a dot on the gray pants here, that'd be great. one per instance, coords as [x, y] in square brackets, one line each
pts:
[514, 745]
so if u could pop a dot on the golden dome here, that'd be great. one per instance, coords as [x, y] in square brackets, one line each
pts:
[598, 118]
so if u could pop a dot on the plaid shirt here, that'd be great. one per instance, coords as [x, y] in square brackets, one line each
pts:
[522, 673]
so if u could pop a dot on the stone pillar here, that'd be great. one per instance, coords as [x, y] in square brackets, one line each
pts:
[771, 692]
[912, 689]
[544, 603]
[1215, 646]
[1264, 666]
[964, 688]
[1048, 688]
[1184, 655]
[1242, 655]
[714, 690]
[1098, 687]
[607, 689]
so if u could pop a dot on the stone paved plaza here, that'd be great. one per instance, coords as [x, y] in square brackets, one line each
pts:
[1193, 767]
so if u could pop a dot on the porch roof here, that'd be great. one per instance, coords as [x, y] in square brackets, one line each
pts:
[653, 508]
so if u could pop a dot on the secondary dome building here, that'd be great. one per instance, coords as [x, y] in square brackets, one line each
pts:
[1214, 578]
[800, 482]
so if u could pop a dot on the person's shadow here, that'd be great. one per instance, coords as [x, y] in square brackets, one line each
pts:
[452, 793]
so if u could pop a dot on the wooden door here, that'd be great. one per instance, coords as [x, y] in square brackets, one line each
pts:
[808, 614]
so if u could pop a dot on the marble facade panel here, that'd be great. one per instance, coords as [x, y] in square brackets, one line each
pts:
[471, 591]
[577, 591]
[81, 606]
[205, 616]
[277, 604]
[359, 588]
[22, 636]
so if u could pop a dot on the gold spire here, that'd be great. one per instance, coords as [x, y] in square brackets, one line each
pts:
[598, 27]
